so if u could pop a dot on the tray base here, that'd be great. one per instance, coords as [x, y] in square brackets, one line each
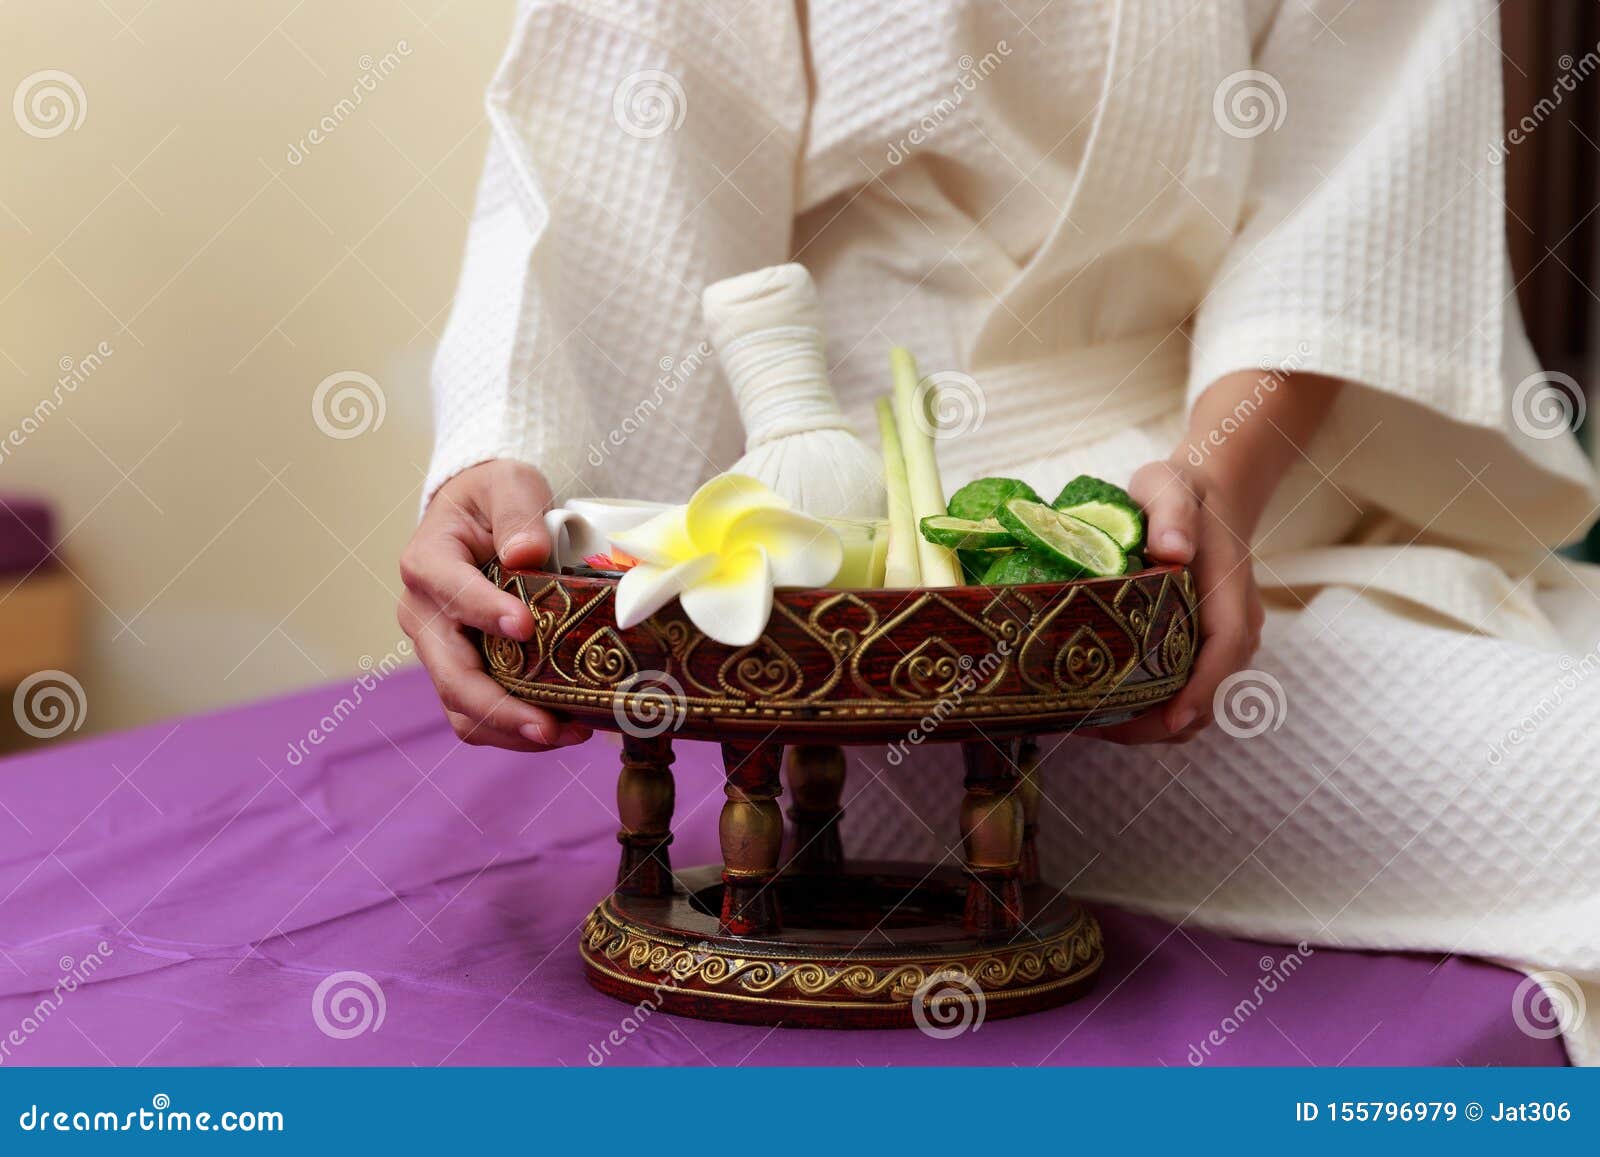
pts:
[876, 945]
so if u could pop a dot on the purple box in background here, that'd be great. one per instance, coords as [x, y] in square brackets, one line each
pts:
[27, 533]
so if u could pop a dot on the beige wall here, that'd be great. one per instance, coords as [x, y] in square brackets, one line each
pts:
[227, 547]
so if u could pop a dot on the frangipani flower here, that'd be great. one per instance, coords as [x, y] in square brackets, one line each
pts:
[721, 556]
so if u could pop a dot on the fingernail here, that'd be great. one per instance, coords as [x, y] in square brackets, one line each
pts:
[517, 542]
[540, 732]
[1176, 541]
[573, 733]
[1182, 719]
[510, 626]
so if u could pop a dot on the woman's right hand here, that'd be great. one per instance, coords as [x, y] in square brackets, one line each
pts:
[492, 509]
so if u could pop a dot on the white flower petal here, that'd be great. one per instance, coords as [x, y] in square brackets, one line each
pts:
[717, 504]
[732, 603]
[645, 589]
[662, 541]
[802, 551]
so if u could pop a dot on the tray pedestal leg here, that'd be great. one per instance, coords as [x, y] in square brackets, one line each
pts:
[751, 830]
[1028, 789]
[991, 839]
[815, 774]
[645, 797]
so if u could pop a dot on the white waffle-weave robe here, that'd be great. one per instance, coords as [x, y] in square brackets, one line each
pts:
[1070, 202]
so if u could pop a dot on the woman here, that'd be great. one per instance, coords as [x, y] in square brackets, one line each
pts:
[1247, 256]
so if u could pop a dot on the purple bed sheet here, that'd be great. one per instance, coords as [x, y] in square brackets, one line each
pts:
[183, 893]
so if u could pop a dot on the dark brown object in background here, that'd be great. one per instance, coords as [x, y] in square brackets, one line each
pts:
[1553, 175]
[1553, 184]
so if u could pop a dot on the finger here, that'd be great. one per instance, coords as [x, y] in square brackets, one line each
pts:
[478, 734]
[516, 506]
[1225, 649]
[456, 668]
[439, 566]
[1172, 511]
[1148, 728]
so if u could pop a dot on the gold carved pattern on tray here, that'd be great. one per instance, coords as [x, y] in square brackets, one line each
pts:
[1065, 957]
[1027, 670]
[931, 669]
[1085, 663]
[843, 637]
[604, 659]
[763, 670]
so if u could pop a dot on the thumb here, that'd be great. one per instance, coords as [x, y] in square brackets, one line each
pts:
[516, 519]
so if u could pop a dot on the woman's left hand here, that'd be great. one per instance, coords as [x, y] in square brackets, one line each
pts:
[1191, 519]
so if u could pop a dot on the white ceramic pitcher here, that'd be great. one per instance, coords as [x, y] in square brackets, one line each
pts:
[584, 526]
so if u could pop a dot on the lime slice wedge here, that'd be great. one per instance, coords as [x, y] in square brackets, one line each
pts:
[965, 534]
[1028, 566]
[1064, 538]
[976, 563]
[1121, 520]
[983, 498]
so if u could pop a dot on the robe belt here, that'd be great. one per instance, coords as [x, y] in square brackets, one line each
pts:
[1035, 409]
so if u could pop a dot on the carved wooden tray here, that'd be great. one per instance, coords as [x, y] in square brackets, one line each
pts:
[858, 666]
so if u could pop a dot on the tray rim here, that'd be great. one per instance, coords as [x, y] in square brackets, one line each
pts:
[849, 720]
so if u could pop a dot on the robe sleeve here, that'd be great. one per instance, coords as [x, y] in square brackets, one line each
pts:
[1372, 249]
[637, 151]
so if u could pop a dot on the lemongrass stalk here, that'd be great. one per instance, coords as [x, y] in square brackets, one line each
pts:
[937, 563]
[880, 554]
[900, 568]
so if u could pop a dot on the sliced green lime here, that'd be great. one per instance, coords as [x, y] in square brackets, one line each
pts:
[965, 534]
[1028, 566]
[1123, 521]
[976, 563]
[982, 499]
[1087, 488]
[1069, 540]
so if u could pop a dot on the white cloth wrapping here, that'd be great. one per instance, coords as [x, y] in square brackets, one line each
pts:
[1069, 204]
[766, 326]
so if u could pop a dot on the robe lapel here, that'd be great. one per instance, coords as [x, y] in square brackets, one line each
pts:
[1145, 138]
